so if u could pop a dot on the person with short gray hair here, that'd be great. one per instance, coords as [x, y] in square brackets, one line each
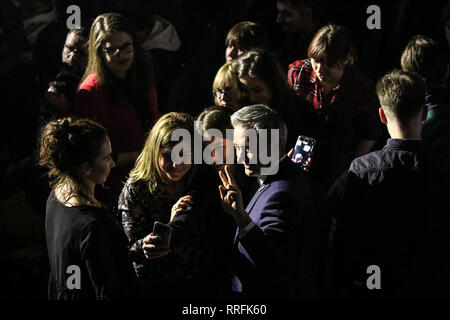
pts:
[273, 257]
[260, 116]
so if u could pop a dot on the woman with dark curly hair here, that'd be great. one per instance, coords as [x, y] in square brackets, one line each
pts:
[87, 248]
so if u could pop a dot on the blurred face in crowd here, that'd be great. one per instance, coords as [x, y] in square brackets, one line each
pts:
[174, 172]
[328, 75]
[294, 20]
[221, 148]
[118, 51]
[257, 90]
[233, 51]
[226, 97]
[447, 31]
[75, 52]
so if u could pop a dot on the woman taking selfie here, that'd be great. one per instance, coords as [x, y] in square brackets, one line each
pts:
[118, 90]
[193, 263]
[86, 247]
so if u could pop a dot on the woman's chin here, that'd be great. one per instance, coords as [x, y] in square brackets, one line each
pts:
[175, 177]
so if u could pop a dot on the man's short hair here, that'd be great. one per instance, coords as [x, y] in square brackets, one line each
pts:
[260, 116]
[401, 94]
[426, 57]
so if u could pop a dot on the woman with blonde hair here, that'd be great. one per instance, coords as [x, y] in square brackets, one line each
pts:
[226, 89]
[83, 238]
[161, 189]
[118, 90]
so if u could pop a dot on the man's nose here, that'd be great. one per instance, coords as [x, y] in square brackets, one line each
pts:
[239, 155]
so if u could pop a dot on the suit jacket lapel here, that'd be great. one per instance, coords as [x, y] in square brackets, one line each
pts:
[251, 204]
[256, 196]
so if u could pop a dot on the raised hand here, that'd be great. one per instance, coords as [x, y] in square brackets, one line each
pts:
[231, 198]
[307, 164]
[182, 203]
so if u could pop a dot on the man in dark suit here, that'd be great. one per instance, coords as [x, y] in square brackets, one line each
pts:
[276, 241]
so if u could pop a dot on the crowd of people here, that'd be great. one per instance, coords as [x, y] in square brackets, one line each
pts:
[104, 173]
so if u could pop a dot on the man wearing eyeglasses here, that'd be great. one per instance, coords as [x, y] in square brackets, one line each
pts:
[74, 54]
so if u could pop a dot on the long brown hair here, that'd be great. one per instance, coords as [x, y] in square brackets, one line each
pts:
[102, 27]
[331, 45]
[263, 65]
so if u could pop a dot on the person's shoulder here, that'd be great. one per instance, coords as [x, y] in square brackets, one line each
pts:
[304, 64]
[373, 161]
[89, 83]
[132, 187]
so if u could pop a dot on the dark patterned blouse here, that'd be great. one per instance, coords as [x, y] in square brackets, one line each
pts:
[139, 210]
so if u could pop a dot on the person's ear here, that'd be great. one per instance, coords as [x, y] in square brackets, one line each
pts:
[383, 117]
[86, 169]
[424, 113]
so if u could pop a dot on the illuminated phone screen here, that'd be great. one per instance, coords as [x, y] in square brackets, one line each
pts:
[303, 149]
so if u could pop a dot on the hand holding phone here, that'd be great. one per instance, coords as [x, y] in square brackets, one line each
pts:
[163, 232]
[156, 244]
[303, 151]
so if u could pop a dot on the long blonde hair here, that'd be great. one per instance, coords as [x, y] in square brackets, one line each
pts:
[147, 167]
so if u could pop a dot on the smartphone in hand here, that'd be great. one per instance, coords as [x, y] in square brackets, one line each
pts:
[303, 150]
[164, 232]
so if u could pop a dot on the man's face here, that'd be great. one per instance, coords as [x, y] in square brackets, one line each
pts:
[294, 20]
[75, 53]
[243, 151]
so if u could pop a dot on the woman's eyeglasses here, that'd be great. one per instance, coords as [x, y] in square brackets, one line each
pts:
[126, 48]
[221, 92]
